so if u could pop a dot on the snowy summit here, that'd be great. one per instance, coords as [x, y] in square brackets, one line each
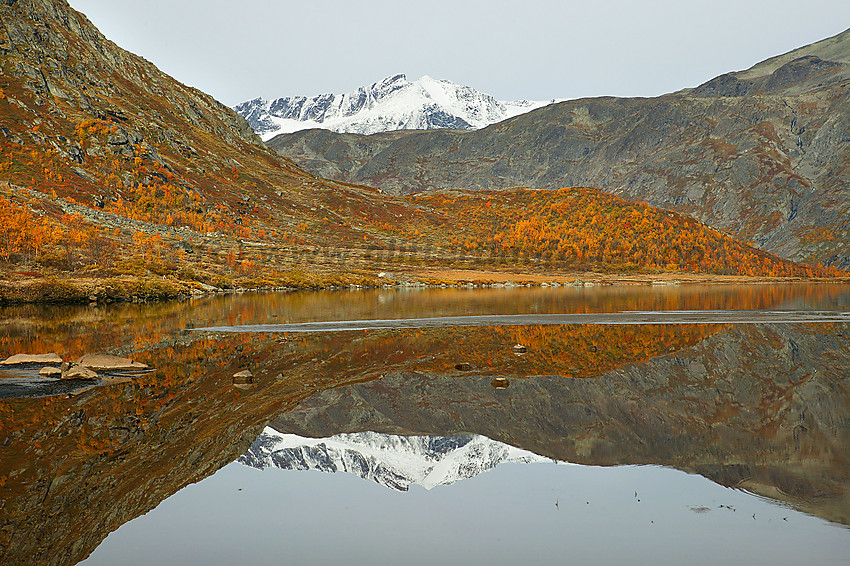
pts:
[391, 104]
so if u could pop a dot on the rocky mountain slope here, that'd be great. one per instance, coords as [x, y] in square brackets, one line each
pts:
[762, 154]
[391, 104]
[98, 145]
[390, 460]
[117, 181]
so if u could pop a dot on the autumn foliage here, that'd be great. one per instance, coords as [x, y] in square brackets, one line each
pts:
[566, 230]
[21, 232]
[586, 228]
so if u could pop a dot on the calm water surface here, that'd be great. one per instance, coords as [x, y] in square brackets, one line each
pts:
[724, 441]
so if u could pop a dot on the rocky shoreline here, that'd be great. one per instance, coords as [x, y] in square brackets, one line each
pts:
[49, 374]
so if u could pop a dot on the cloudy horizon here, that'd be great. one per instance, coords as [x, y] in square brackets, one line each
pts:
[542, 51]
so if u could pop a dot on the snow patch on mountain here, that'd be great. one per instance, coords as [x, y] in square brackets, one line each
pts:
[390, 460]
[391, 104]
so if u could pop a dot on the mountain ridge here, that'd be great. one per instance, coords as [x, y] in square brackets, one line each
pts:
[834, 48]
[762, 156]
[393, 103]
[119, 182]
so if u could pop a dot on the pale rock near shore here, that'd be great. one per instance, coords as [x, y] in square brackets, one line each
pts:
[50, 358]
[107, 362]
[50, 371]
[243, 379]
[79, 372]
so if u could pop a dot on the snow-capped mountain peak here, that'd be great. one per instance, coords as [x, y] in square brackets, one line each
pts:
[393, 461]
[393, 103]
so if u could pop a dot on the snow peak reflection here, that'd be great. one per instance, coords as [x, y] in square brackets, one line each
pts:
[390, 460]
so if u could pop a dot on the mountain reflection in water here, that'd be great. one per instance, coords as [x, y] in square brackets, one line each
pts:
[764, 408]
[390, 460]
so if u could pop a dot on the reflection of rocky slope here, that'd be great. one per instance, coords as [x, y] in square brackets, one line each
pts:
[74, 469]
[390, 460]
[764, 408]
[763, 154]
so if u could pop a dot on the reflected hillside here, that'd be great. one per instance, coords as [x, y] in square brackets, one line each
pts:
[75, 330]
[760, 407]
[75, 468]
[396, 462]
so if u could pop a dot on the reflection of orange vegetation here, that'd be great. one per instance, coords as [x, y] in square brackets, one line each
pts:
[570, 351]
[150, 399]
[128, 434]
[183, 372]
[73, 331]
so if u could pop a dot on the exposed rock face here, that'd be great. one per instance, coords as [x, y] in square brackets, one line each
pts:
[762, 154]
[65, 57]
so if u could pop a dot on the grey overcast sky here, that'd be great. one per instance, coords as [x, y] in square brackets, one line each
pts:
[536, 49]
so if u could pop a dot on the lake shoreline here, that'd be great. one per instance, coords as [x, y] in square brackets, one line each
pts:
[76, 290]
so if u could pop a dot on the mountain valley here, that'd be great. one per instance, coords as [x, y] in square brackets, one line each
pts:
[762, 154]
[118, 182]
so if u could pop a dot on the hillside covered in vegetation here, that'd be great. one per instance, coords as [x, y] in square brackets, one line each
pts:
[116, 180]
[761, 154]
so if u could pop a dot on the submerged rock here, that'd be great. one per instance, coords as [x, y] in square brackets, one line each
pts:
[78, 372]
[50, 371]
[107, 362]
[243, 379]
[500, 382]
[50, 358]
[115, 380]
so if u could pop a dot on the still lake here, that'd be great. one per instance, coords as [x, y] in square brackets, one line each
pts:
[692, 424]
